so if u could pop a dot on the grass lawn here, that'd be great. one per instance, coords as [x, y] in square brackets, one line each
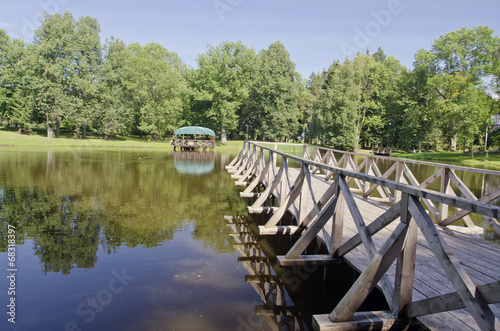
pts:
[490, 161]
[10, 138]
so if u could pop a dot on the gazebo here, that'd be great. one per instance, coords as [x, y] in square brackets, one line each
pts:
[194, 143]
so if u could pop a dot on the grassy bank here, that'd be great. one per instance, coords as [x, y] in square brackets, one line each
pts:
[9, 138]
[488, 161]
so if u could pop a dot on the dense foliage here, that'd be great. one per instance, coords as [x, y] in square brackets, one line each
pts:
[67, 78]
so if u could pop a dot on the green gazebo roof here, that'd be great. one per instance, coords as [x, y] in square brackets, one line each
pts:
[194, 130]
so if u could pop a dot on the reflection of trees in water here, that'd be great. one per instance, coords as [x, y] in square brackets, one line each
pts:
[64, 233]
[70, 203]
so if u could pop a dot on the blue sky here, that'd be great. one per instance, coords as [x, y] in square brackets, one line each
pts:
[315, 32]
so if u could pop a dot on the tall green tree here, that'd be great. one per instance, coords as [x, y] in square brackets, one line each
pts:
[115, 105]
[222, 83]
[52, 60]
[337, 106]
[276, 94]
[461, 57]
[4, 51]
[156, 83]
[371, 80]
[87, 64]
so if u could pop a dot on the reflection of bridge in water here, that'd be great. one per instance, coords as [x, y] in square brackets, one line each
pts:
[276, 309]
[428, 274]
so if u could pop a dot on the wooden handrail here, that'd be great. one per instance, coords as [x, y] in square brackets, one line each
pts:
[454, 201]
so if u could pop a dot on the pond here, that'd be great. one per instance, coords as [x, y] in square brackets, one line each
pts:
[139, 240]
[120, 240]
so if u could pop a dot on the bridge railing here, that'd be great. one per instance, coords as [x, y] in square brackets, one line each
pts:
[294, 194]
[399, 171]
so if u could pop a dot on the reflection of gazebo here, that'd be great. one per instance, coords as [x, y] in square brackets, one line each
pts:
[194, 143]
[194, 163]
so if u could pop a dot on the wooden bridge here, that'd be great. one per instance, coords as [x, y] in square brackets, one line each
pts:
[388, 226]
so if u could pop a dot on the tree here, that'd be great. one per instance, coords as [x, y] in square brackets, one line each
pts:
[4, 51]
[155, 81]
[337, 106]
[315, 86]
[115, 106]
[371, 80]
[87, 63]
[52, 62]
[222, 83]
[276, 94]
[461, 57]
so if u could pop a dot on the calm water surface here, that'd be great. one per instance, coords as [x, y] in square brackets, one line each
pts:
[122, 240]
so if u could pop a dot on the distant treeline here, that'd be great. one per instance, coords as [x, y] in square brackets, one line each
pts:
[67, 77]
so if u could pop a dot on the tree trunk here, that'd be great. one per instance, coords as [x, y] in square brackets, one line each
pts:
[223, 135]
[472, 147]
[436, 141]
[454, 142]
[50, 129]
[463, 146]
[84, 131]
[58, 126]
[153, 136]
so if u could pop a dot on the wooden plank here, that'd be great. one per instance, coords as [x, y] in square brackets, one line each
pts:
[327, 195]
[473, 300]
[250, 195]
[283, 261]
[338, 219]
[249, 171]
[282, 229]
[262, 210]
[451, 301]
[385, 176]
[405, 266]
[495, 225]
[475, 206]
[375, 320]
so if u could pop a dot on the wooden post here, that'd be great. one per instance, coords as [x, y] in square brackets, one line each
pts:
[445, 185]
[405, 267]
[338, 218]
[399, 174]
